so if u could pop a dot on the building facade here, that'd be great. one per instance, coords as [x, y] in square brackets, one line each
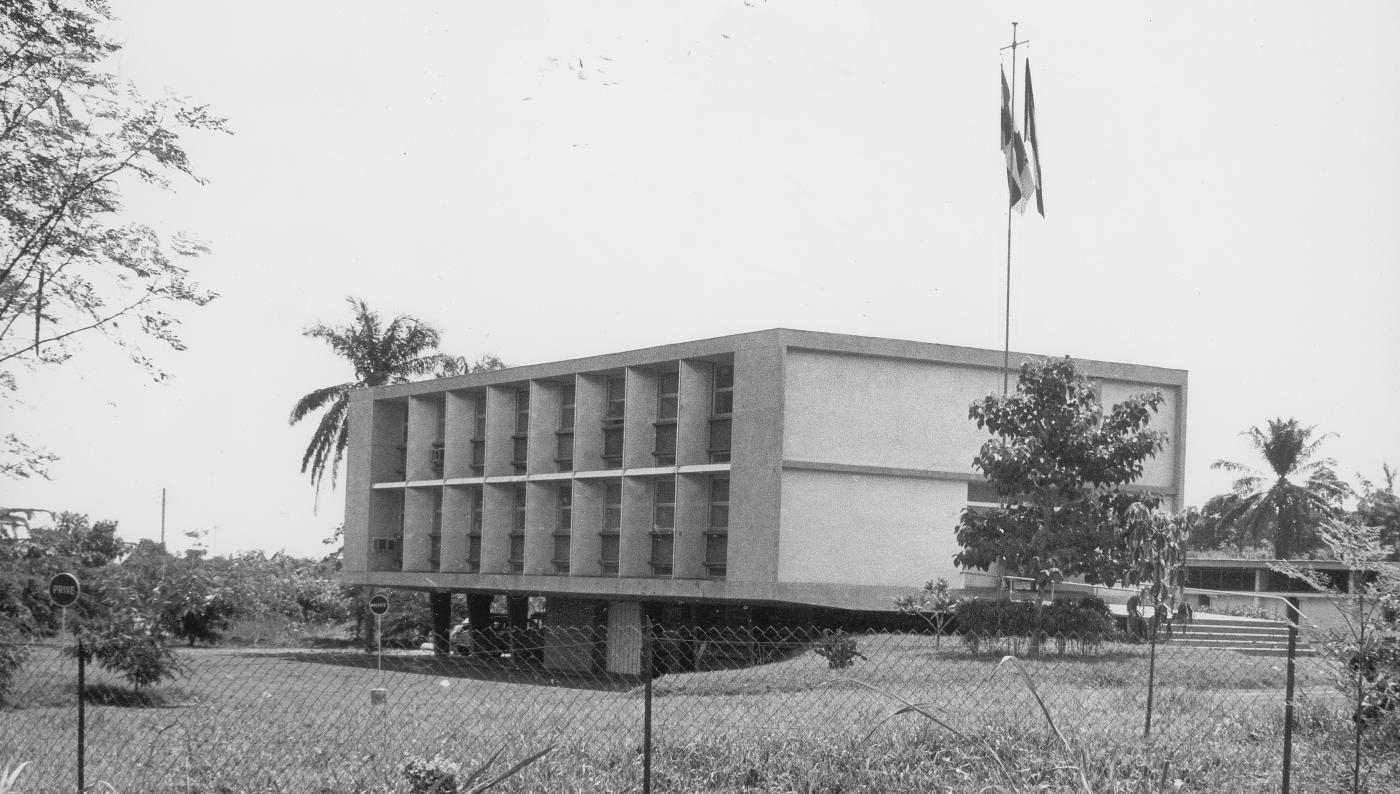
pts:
[781, 468]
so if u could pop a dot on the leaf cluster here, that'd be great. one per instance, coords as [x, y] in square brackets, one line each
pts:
[1061, 463]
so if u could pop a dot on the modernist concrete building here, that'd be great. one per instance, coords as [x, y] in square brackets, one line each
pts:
[772, 470]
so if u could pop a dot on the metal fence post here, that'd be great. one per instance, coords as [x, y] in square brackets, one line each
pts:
[1151, 674]
[1288, 705]
[82, 717]
[646, 707]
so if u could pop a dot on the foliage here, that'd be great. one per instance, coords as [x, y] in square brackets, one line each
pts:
[1379, 507]
[9, 778]
[71, 135]
[12, 658]
[380, 354]
[933, 604]
[89, 545]
[129, 644]
[441, 776]
[1085, 620]
[19, 460]
[1369, 667]
[1297, 495]
[1060, 462]
[1156, 555]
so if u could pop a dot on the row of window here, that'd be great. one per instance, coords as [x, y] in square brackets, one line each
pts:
[664, 450]
[663, 525]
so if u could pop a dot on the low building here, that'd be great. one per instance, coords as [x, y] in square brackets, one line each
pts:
[783, 472]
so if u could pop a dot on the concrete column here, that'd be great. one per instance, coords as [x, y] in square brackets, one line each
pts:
[692, 519]
[638, 430]
[1261, 578]
[624, 641]
[422, 432]
[418, 526]
[693, 415]
[500, 427]
[456, 523]
[440, 604]
[634, 541]
[461, 410]
[590, 402]
[539, 526]
[754, 494]
[478, 614]
[544, 421]
[585, 547]
[497, 504]
[360, 454]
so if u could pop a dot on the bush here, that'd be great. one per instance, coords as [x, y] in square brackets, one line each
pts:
[435, 776]
[133, 648]
[12, 657]
[1085, 620]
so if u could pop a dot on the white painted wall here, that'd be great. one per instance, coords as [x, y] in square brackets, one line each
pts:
[864, 529]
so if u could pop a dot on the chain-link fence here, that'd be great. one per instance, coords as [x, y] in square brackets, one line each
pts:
[725, 710]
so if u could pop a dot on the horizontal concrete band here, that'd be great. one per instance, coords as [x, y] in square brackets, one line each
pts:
[925, 474]
[597, 474]
[817, 594]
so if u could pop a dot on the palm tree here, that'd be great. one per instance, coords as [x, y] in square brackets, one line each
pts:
[1294, 497]
[381, 354]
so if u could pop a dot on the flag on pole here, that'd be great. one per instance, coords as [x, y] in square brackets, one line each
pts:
[1034, 142]
[1020, 171]
[1009, 139]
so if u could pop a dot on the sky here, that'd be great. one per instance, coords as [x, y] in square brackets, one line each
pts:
[550, 180]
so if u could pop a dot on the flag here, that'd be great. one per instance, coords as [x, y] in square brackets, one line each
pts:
[1020, 175]
[1034, 142]
[1008, 143]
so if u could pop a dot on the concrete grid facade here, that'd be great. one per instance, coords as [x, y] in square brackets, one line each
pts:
[779, 467]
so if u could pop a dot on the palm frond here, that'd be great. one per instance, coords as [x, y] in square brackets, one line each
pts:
[317, 400]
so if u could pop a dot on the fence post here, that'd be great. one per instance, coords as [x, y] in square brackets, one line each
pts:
[82, 717]
[1151, 673]
[646, 707]
[1288, 706]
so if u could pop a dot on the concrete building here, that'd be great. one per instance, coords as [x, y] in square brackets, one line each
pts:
[778, 470]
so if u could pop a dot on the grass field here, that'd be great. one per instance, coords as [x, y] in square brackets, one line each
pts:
[303, 721]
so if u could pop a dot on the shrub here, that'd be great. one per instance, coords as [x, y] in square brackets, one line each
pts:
[1085, 620]
[431, 776]
[132, 647]
[12, 657]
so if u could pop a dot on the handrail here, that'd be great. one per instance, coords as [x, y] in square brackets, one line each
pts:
[1249, 594]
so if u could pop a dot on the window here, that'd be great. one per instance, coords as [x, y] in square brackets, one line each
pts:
[563, 524]
[564, 451]
[437, 454]
[724, 390]
[478, 435]
[566, 407]
[667, 391]
[435, 537]
[517, 531]
[386, 544]
[474, 533]
[612, 448]
[522, 430]
[617, 399]
[564, 439]
[720, 432]
[717, 536]
[666, 444]
[663, 526]
[612, 525]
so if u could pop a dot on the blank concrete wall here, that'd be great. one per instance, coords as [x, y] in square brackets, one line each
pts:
[865, 529]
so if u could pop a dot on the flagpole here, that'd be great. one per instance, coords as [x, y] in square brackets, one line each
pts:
[1006, 339]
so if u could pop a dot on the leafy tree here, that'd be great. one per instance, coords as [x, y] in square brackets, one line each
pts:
[90, 545]
[1298, 495]
[380, 354]
[933, 604]
[70, 136]
[1061, 463]
[1379, 507]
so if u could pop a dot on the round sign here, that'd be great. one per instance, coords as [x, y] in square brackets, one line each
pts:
[379, 605]
[63, 589]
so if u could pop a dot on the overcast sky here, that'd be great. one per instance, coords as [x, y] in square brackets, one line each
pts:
[551, 180]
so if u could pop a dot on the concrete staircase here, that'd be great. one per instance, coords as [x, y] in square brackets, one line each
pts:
[1242, 635]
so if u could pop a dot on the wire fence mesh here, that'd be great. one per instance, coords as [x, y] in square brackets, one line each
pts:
[732, 709]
